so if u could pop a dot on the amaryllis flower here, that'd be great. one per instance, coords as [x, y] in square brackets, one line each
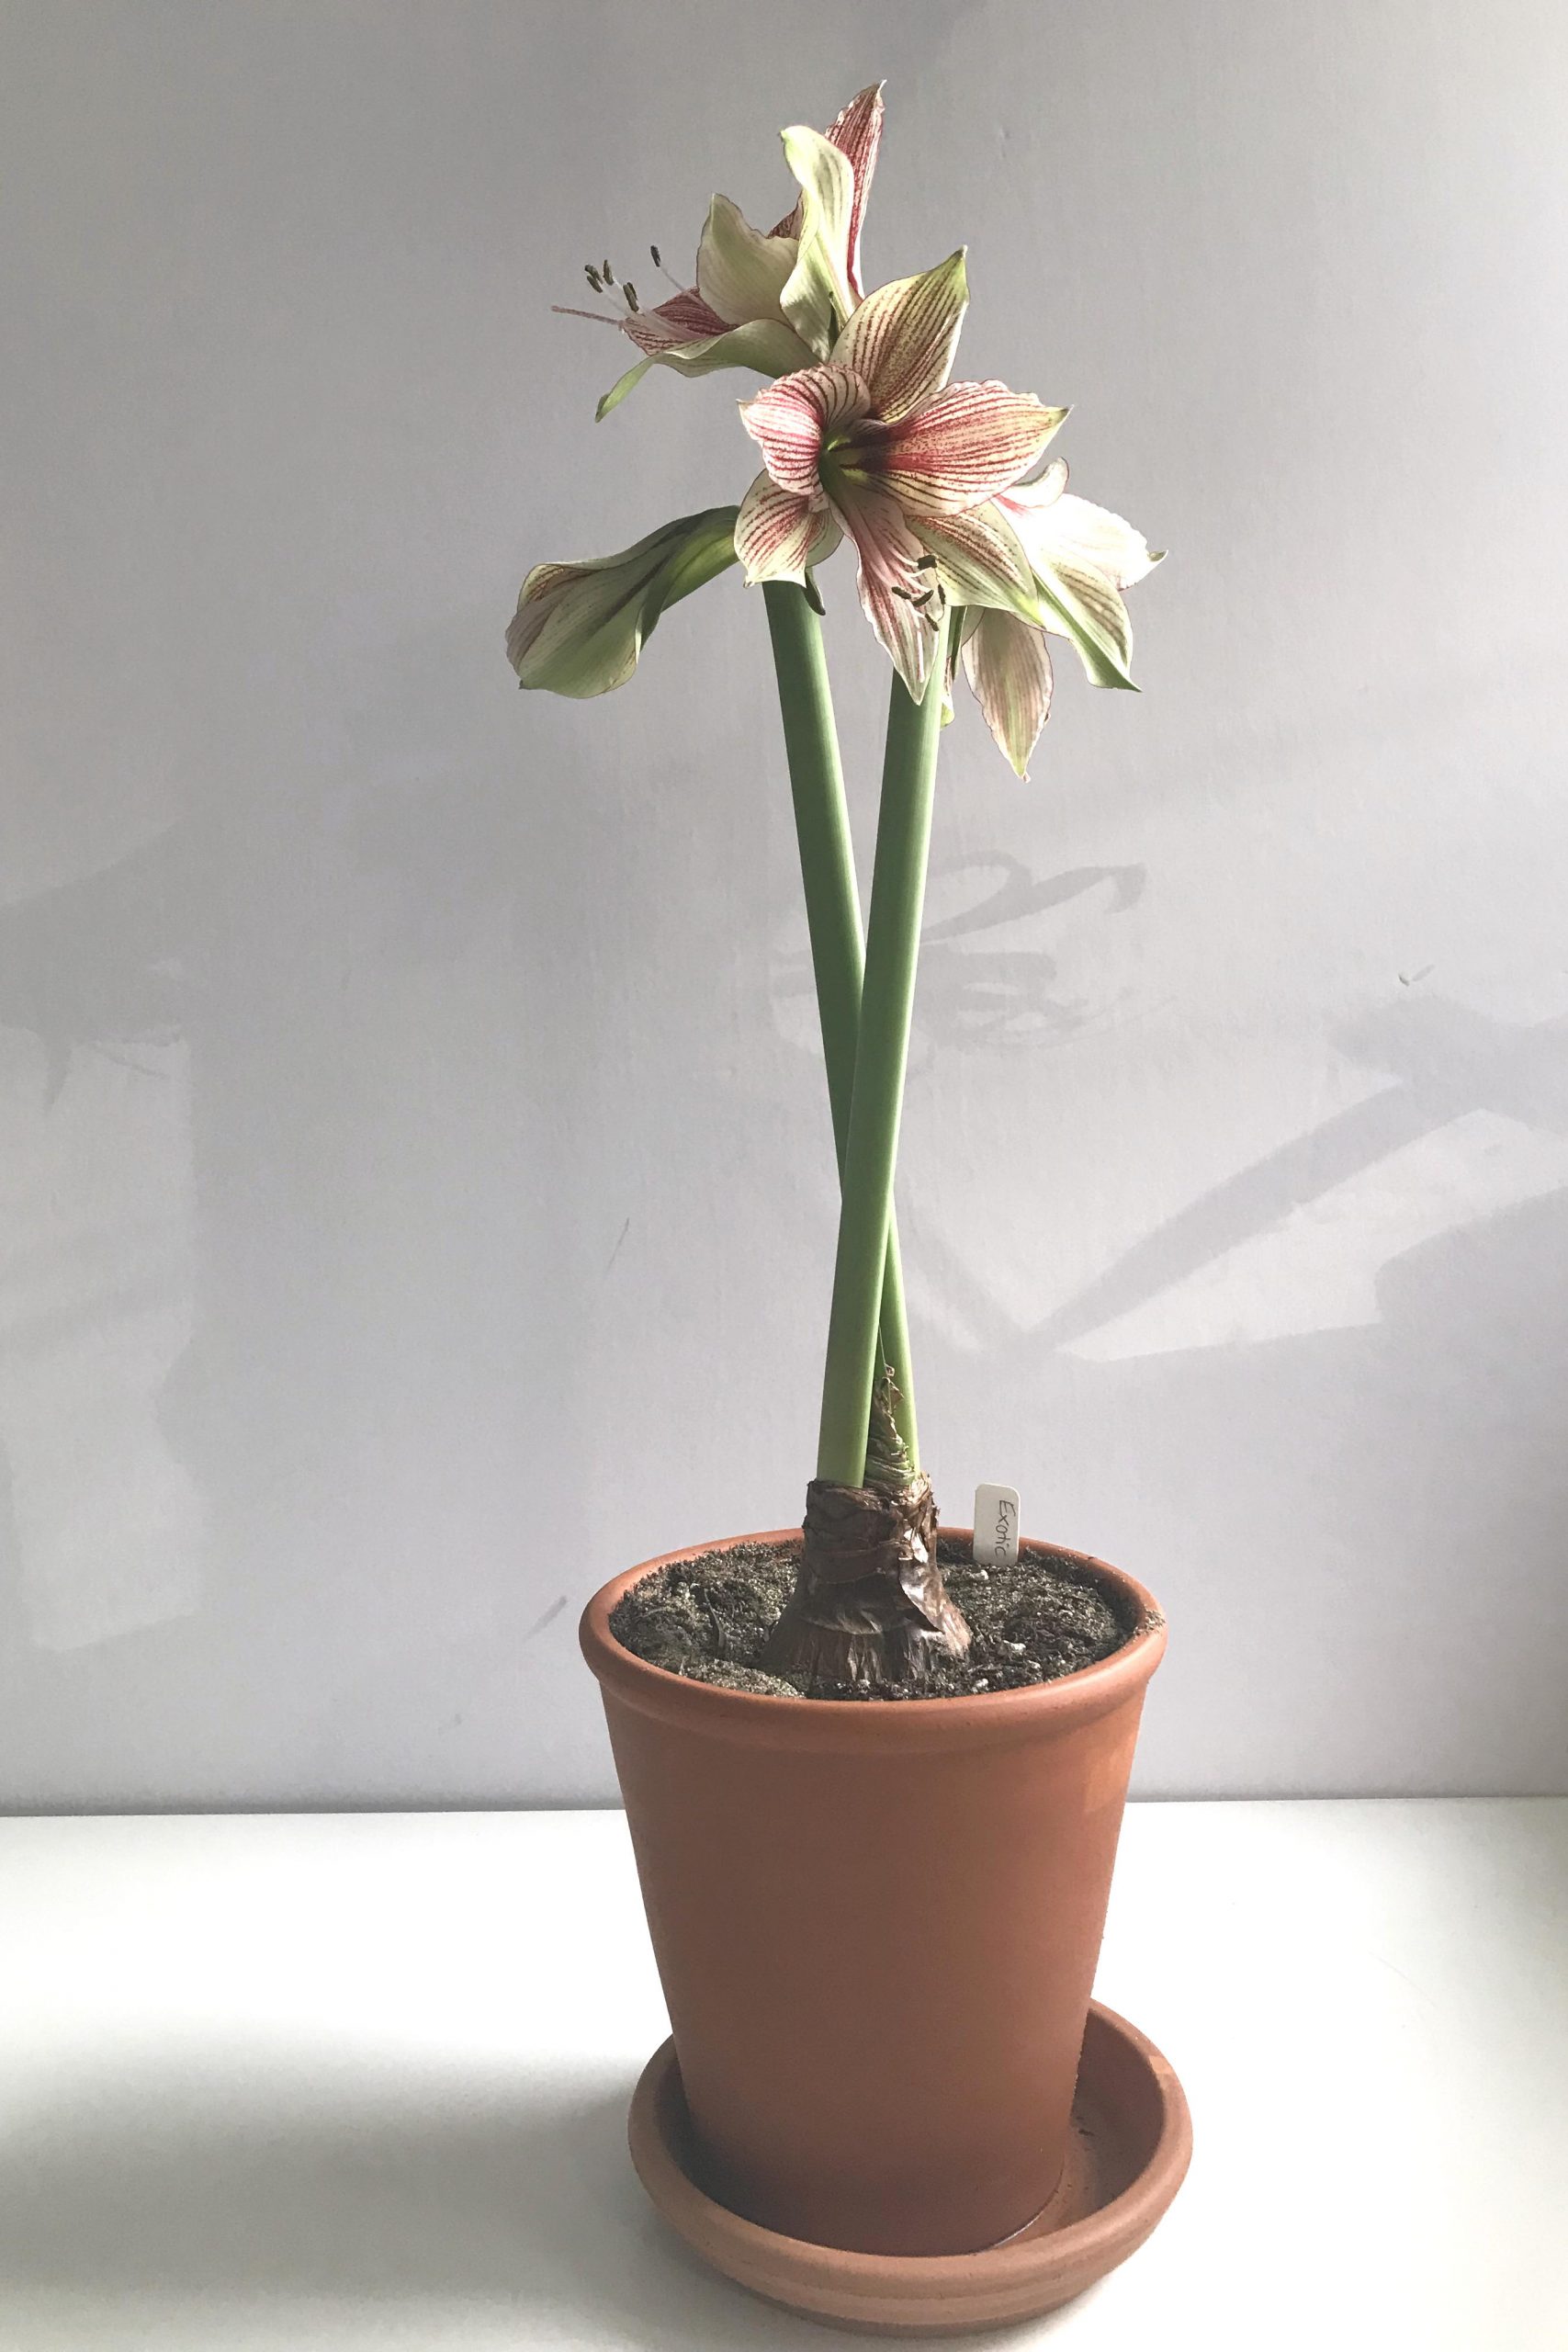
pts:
[762, 300]
[878, 445]
[579, 628]
[1082, 557]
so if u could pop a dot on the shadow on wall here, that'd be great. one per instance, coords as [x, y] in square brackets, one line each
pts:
[996, 996]
[1444, 1062]
[261, 1081]
[208, 1384]
[1388, 1503]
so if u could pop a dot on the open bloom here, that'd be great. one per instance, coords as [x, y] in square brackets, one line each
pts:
[1082, 557]
[762, 298]
[878, 445]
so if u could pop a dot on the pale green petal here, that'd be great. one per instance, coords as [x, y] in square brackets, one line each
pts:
[579, 628]
[742, 272]
[1083, 557]
[1073, 528]
[1080, 603]
[766, 344]
[816, 299]
[963, 628]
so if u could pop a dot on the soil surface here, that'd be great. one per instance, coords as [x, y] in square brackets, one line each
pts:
[709, 1618]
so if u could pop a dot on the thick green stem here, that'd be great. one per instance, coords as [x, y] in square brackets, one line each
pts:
[833, 918]
[871, 1149]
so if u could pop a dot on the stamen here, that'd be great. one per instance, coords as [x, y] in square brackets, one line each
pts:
[654, 252]
[593, 277]
[606, 273]
[925, 563]
[629, 290]
[659, 264]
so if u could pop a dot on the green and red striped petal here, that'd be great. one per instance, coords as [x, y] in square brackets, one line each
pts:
[856, 132]
[766, 344]
[777, 534]
[684, 318]
[901, 340]
[792, 422]
[981, 561]
[960, 448]
[892, 583]
[1008, 664]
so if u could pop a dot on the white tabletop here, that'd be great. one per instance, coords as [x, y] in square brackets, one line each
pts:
[346, 2083]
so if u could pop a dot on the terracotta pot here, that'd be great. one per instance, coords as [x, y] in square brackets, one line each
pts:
[877, 1925]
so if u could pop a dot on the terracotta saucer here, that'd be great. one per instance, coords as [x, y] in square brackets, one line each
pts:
[1130, 2142]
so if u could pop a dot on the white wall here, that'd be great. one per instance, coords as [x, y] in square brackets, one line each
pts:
[415, 1179]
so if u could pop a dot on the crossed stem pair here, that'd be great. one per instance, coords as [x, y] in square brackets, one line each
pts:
[868, 1605]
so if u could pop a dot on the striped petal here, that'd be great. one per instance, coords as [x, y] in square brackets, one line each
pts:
[777, 534]
[890, 580]
[792, 420]
[962, 447]
[856, 132]
[766, 344]
[816, 297]
[901, 340]
[981, 561]
[684, 318]
[579, 628]
[1008, 664]
[740, 273]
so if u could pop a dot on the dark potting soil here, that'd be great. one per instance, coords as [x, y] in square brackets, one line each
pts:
[710, 1617]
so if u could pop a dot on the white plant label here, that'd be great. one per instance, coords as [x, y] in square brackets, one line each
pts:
[996, 1527]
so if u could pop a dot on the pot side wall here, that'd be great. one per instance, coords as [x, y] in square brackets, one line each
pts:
[876, 1925]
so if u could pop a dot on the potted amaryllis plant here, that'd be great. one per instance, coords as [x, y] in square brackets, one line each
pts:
[874, 1771]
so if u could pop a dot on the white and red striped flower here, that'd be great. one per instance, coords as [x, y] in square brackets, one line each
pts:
[1082, 557]
[878, 445]
[769, 301]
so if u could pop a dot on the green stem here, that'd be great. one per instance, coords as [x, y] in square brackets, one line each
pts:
[833, 915]
[871, 1149]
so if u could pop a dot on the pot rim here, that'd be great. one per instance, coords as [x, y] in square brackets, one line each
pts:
[756, 1718]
